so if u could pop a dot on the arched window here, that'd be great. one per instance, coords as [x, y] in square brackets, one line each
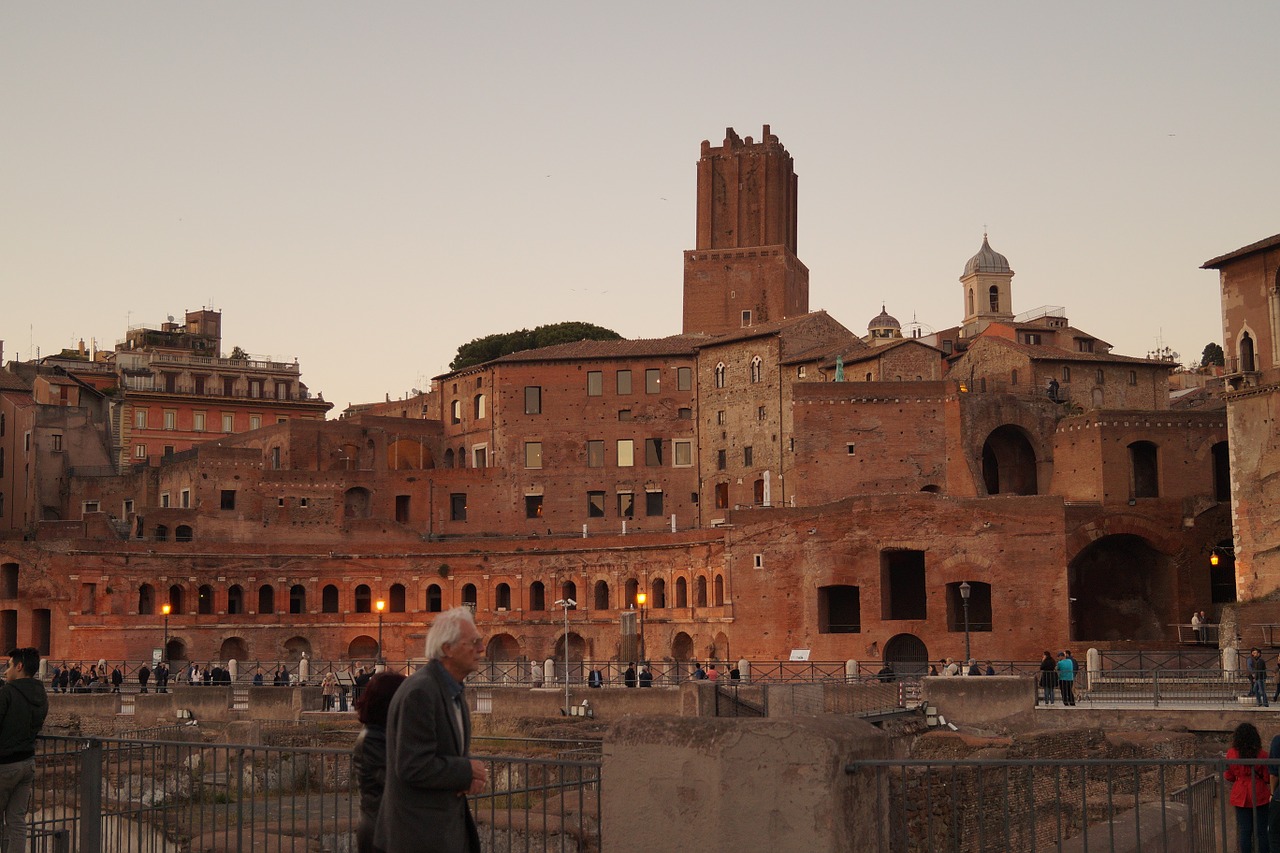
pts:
[182, 533]
[659, 598]
[146, 600]
[329, 599]
[469, 595]
[297, 599]
[448, 458]
[363, 599]
[435, 602]
[719, 600]
[266, 599]
[1246, 353]
[682, 592]
[720, 375]
[462, 457]
[502, 597]
[569, 592]
[175, 599]
[971, 301]
[629, 598]
[702, 592]
[162, 533]
[1013, 376]
[602, 595]
[235, 600]
[537, 596]
[478, 406]
[994, 294]
[455, 411]
[396, 598]
[756, 369]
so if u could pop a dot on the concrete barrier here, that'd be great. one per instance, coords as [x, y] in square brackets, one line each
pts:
[975, 700]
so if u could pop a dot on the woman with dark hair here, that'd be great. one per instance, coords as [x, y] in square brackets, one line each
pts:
[1250, 789]
[370, 751]
[1048, 677]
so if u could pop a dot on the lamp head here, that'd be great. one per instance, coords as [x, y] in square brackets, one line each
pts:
[380, 605]
[965, 589]
[165, 609]
[641, 598]
[1213, 559]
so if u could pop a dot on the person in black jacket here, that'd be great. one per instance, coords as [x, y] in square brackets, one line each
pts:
[23, 708]
[369, 755]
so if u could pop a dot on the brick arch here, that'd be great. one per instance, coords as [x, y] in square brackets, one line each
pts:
[1164, 541]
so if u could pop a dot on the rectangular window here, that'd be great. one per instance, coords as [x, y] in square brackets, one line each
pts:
[533, 506]
[168, 450]
[684, 413]
[722, 461]
[533, 454]
[228, 422]
[304, 501]
[653, 451]
[800, 372]
[533, 399]
[626, 505]
[684, 378]
[1133, 377]
[480, 457]
[652, 380]
[139, 418]
[457, 507]
[1066, 374]
[1084, 344]
[402, 508]
[624, 381]
[595, 504]
[275, 459]
[683, 453]
[455, 412]
[626, 453]
[197, 421]
[56, 442]
[91, 506]
[170, 419]
[139, 451]
[759, 413]
[164, 500]
[624, 414]
[1032, 338]
[255, 421]
[228, 387]
[1101, 377]
[653, 503]
[228, 500]
[185, 497]
[720, 418]
[127, 508]
[746, 318]
[595, 383]
[595, 454]
[747, 456]
[255, 388]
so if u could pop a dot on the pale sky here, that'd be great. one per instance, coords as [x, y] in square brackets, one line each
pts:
[365, 186]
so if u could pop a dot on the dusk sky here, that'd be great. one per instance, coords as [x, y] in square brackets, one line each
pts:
[365, 186]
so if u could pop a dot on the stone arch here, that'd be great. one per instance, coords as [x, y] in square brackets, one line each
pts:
[719, 647]
[631, 589]
[658, 600]
[1121, 588]
[329, 599]
[503, 647]
[1009, 462]
[362, 646]
[297, 599]
[448, 458]
[396, 598]
[233, 648]
[682, 647]
[435, 599]
[502, 596]
[266, 599]
[602, 595]
[908, 654]
[718, 601]
[700, 591]
[357, 502]
[183, 533]
[296, 647]
[1248, 361]
[682, 592]
[363, 599]
[578, 647]
[176, 596]
[204, 599]
[146, 599]
[235, 600]
[176, 650]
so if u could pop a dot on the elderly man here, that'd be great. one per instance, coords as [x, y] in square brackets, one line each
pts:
[429, 772]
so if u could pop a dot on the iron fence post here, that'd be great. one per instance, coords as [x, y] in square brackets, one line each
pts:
[1155, 687]
[239, 800]
[91, 797]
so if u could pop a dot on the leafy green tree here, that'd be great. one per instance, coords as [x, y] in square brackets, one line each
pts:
[1212, 354]
[490, 347]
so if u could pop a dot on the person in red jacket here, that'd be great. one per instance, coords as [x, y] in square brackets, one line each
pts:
[1250, 789]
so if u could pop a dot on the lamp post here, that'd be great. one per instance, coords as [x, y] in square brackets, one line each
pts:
[965, 589]
[566, 603]
[164, 646]
[641, 598]
[380, 605]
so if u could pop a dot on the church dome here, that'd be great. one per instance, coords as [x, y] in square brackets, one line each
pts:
[987, 260]
[884, 321]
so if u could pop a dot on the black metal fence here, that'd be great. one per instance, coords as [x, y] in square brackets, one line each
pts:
[130, 795]
[1026, 805]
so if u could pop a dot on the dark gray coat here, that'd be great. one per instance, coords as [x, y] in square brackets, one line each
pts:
[424, 806]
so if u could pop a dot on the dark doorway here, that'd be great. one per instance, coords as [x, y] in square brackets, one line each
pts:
[908, 655]
[839, 610]
[902, 585]
[1121, 589]
[1009, 462]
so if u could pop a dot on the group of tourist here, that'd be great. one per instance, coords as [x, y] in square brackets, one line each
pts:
[949, 667]
[1256, 670]
[1058, 676]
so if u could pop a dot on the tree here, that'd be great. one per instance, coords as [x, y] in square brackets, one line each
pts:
[490, 347]
[1212, 354]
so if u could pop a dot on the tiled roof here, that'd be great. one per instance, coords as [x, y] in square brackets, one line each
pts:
[1046, 353]
[10, 382]
[875, 352]
[579, 350]
[1260, 246]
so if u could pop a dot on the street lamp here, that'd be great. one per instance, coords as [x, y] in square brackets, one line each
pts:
[641, 598]
[380, 606]
[164, 648]
[965, 589]
[567, 604]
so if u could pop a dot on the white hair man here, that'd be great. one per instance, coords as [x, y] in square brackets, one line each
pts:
[429, 769]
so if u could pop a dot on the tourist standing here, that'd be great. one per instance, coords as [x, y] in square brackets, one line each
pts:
[117, 679]
[23, 707]
[646, 677]
[144, 675]
[1250, 789]
[369, 755]
[429, 769]
[1067, 678]
[1197, 626]
[629, 675]
[1257, 667]
[329, 690]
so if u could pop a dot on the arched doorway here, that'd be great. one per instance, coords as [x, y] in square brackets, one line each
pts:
[176, 650]
[233, 648]
[682, 647]
[577, 654]
[296, 647]
[504, 647]
[908, 655]
[363, 646]
[720, 648]
[503, 662]
[1121, 588]
[356, 503]
[1009, 462]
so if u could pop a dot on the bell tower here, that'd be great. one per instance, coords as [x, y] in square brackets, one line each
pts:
[744, 270]
[988, 290]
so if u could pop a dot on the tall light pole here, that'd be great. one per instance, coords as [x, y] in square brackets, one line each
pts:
[380, 605]
[164, 647]
[567, 604]
[641, 598]
[965, 589]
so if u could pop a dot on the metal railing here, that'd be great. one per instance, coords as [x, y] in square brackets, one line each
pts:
[148, 796]
[1154, 687]
[1024, 805]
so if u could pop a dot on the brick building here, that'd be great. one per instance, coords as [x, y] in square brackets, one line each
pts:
[771, 480]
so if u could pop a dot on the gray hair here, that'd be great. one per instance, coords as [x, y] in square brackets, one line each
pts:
[447, 629]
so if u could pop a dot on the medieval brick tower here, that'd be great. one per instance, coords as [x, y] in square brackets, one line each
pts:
[744, 270]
